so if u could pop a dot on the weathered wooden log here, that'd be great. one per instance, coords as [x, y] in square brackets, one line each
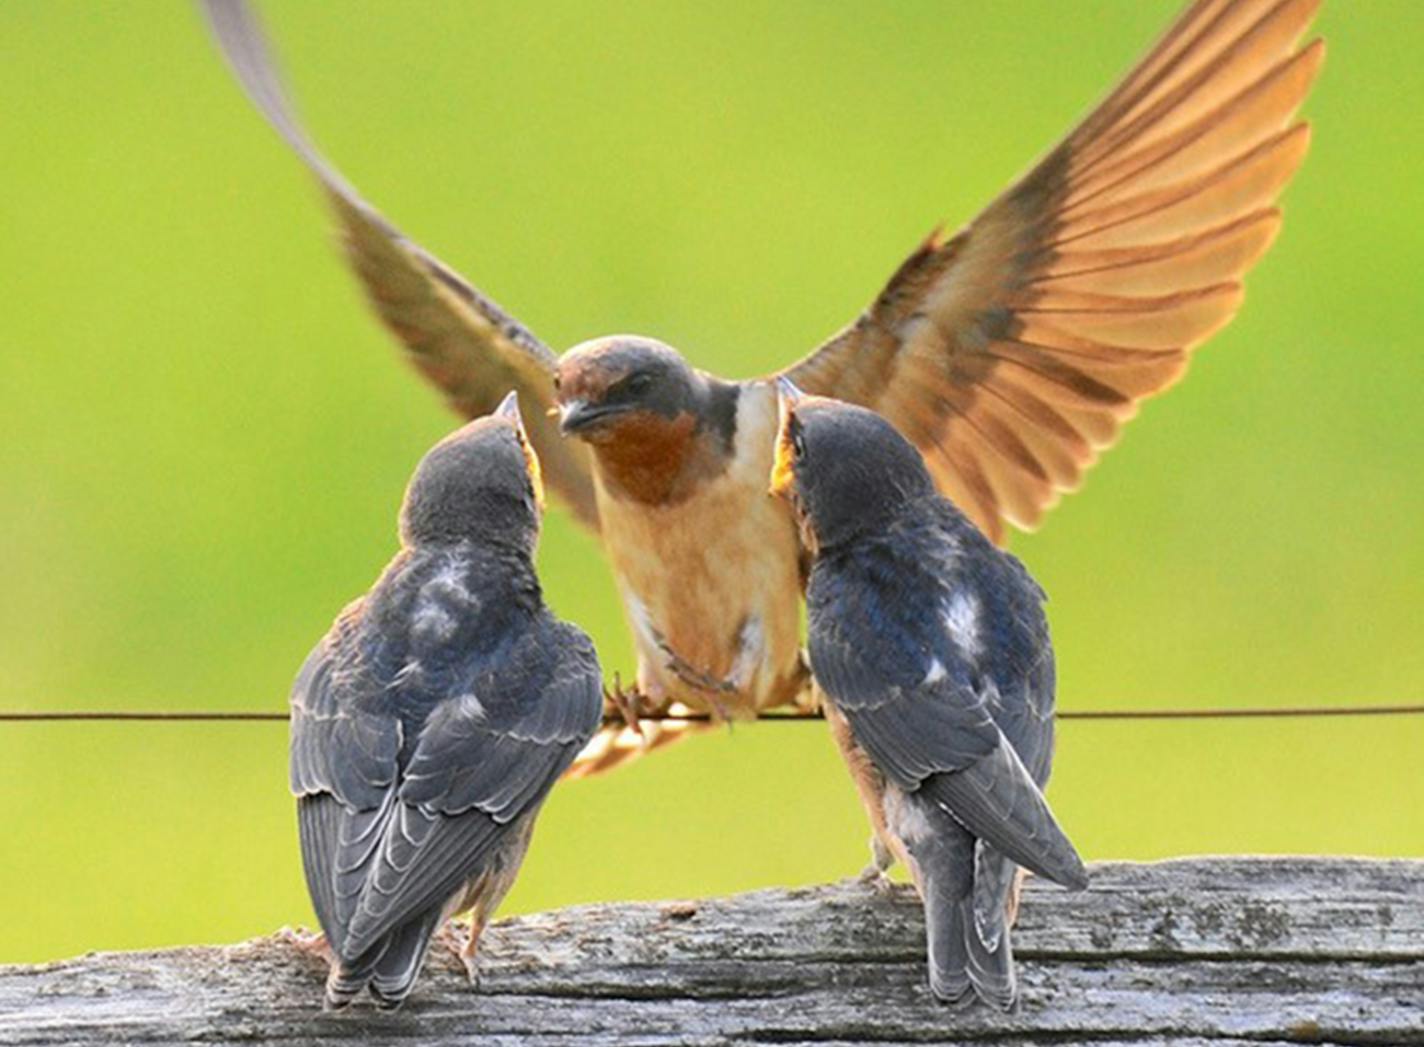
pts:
[1194, 951]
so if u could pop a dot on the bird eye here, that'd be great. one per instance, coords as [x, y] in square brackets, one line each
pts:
[636, 384]
[798, 443]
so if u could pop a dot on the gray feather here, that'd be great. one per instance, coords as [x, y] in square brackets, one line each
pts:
[401, 957]
[996, 800]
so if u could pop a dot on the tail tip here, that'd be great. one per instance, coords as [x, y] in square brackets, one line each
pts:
[390, 992]
[997, 986]
[960, 990]
[389, 1001]
[339, 994]
[951, 987]
[1076, 876]
[1066, 869]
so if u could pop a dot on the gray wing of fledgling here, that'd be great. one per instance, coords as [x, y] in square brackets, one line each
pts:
[921, 708]
[397, 817]
[464, 343]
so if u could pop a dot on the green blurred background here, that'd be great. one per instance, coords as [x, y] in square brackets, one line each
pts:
[205, 437]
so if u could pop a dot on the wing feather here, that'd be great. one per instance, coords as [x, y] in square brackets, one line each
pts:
[1013, 352]
[965, 730]
[390, 829]
[483, 765]
[462, 341]
[940, 743]
[319, 819]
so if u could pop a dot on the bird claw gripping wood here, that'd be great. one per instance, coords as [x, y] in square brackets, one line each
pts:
[462, 942]
[876, 875]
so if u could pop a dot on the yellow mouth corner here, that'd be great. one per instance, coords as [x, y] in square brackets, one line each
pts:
[783, 475]
[536, 472]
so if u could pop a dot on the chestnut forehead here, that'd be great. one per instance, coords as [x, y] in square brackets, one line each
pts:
[589, 372]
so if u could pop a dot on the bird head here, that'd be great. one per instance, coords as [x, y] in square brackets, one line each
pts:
[845, 469]
[481, 483]
[619, 387]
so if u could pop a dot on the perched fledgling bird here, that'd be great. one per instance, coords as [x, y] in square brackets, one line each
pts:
[1009, 354]
[931, 649]
[430, 723]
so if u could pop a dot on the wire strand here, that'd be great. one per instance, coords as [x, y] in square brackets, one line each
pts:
[1245, 713]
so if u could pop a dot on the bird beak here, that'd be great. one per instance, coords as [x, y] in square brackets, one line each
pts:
[508, 410]
[575, 416]
[783, 475]
[787, 393]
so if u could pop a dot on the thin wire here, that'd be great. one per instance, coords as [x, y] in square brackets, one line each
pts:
[1247, 713]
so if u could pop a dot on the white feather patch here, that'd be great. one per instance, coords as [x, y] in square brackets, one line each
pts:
[905, 818]
[643, 629]
[961, 618]
[936, 672]
[751, 650]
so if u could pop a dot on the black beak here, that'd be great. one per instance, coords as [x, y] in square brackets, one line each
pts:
[578, 416]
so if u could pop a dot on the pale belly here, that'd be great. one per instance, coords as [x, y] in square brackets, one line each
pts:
[712, 582]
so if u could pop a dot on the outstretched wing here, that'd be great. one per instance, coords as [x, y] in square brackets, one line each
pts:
[461, 340]
[482, 766]
[1012, 353]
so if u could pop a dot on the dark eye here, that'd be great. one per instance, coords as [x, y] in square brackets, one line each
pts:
[798, 443]
[636, 384]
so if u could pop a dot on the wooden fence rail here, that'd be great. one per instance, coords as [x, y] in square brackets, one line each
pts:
[1194, 951]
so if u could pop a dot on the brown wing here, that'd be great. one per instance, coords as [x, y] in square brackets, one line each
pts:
[1012, 353]
[463, 342]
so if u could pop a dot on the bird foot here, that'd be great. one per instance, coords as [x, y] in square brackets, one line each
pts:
[462, 941]
[708, 686]
[694, 677]
[626, 702]
[877, 880]
[311, 945]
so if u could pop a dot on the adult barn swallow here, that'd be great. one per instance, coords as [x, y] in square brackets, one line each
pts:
[931, 649]
[1009, 354]
[430, 723]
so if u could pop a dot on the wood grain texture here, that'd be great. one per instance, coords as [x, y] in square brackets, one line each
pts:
[1196, 951]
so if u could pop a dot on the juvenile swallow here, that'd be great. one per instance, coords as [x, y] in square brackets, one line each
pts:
[1009, 354]
[430, 723]
[932, 651]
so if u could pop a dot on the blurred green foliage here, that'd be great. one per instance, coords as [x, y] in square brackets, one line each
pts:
[205, 437]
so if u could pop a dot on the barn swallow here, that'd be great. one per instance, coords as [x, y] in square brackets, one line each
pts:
[430, 723]
[932, 651]
[1010, 354]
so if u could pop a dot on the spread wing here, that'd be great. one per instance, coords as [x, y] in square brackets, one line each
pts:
[459, 339]
[408, 837]
[1013, 352]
